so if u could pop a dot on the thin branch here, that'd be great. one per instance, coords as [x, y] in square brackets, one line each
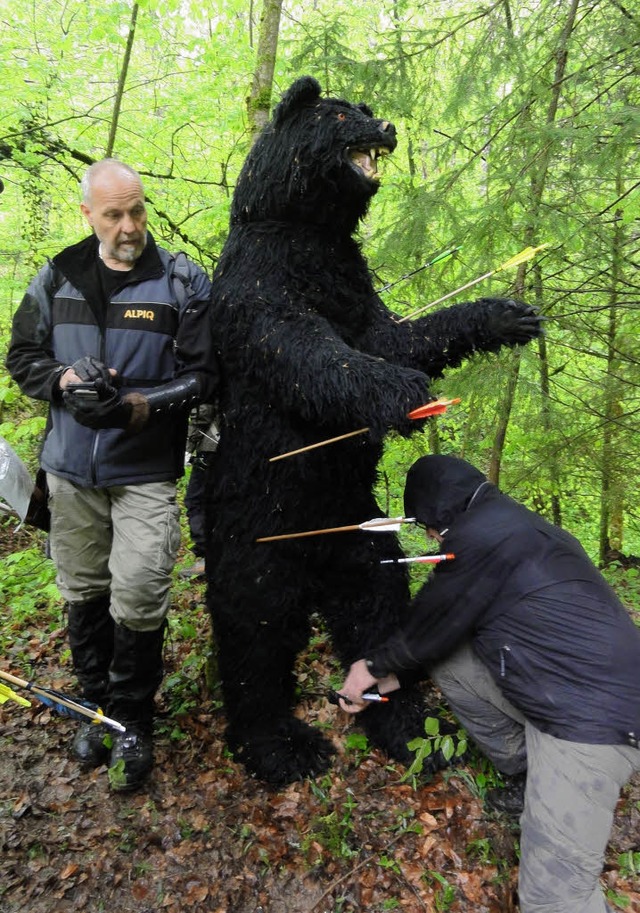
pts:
[122, 79]
[351, 872]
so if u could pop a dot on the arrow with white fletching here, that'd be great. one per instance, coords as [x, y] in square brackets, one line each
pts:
[377, 525]
[422, 559]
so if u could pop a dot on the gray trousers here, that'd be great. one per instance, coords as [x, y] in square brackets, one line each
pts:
[571, 789]
[123, 540]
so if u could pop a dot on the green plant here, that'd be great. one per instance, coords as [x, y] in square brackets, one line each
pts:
[334, 831]
[30, 597]
[357, 743]
[449, 745]
[482, 850]
[479, 775]
[321, 788]
[387, 862]
[446, 896]
[36, 851]
[629, 863]
[626, 583]
[117, 780]
[186, 829]
[621, 902]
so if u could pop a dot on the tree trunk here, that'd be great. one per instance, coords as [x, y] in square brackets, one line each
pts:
[611, 497]
[538, 184]
[546, 413]
[259, 101]
[504, 414]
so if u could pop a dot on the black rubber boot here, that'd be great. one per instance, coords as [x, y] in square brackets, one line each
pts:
[134, 678]
[91, 640]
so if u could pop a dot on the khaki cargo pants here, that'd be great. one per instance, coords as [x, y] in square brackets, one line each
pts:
[571, 790]
[123, 540]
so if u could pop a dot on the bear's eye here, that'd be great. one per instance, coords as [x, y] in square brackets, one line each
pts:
[342, 116]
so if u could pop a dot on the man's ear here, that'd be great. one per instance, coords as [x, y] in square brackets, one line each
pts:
[86, 212]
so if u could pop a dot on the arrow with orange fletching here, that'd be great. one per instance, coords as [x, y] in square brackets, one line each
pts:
[435, 407]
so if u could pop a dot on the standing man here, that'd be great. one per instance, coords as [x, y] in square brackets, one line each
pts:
[540, 662]
[122, 354]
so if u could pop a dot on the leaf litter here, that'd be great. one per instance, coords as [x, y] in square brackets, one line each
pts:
[204, 837]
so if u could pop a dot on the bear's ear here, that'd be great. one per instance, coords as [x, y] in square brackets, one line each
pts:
[301, 93]
[365, 109]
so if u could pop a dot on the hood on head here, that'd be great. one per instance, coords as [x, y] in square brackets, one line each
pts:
[439, 488]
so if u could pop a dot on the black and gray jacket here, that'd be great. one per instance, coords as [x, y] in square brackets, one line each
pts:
[552, 632]
[143, 332]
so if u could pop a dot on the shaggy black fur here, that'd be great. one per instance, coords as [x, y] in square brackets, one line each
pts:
[309, 351]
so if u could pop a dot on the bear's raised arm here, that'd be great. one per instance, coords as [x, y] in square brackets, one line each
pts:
[444, 338]
[303, 367]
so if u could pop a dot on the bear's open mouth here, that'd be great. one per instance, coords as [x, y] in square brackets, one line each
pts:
[366, 160]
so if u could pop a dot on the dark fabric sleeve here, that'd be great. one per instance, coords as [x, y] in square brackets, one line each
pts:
[195, 350]
[30, 360]
[451, 603]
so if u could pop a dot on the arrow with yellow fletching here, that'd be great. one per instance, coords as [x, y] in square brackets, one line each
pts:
[6, 694]
[522, 257]
[61, 703]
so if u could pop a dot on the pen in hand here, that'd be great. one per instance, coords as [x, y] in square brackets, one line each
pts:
[335, 697]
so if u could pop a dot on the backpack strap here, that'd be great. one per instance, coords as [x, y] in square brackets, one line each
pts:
[55, 279]
[177, 265]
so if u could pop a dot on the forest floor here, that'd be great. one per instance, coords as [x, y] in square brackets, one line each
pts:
[204, 837]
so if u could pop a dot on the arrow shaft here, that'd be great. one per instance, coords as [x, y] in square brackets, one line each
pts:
[438, 259]
[310, 532]
[64, 702]
[423, 559]
[381, 524]
[331, 440]
[445, 297]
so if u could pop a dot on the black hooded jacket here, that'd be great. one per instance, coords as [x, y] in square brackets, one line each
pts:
[552, 632]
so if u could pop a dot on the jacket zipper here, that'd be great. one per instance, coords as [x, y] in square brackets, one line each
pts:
[503, 661]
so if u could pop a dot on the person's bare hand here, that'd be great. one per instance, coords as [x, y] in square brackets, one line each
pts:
[358, 680]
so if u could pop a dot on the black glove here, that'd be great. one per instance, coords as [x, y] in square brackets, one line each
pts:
[89, 368]
[511, 322]
[108, 411]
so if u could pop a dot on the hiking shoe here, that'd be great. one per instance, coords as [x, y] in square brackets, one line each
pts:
[508, 799]
[89, 746]
[134, 748]
[195, 571]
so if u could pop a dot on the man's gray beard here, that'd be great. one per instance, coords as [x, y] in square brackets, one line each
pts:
[130, 257]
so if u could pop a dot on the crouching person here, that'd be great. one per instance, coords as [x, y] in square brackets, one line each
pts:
[121, 352]
[538, 659]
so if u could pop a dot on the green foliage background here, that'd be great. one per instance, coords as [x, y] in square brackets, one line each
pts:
[517, 125]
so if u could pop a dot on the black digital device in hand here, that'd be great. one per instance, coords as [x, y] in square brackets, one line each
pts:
[86, 390]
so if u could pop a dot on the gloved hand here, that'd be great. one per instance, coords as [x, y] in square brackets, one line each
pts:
[108, 411]
[512, 322]
[91, 369]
